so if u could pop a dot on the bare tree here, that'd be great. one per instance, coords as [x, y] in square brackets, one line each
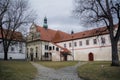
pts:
[102, 11]
[13, 15]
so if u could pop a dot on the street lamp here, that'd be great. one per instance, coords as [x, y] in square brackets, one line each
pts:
[72, 32]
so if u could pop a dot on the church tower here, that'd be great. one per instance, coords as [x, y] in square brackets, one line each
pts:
[45, 23]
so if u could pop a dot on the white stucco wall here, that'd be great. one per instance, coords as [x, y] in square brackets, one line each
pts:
[101, 52]
[16, 53]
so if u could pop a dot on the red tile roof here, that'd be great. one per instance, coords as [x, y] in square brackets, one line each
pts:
[84, 34]
[59, 36]
[17, 35]
[51, 35]
[63, 50]
[46, 34]
[90, 33]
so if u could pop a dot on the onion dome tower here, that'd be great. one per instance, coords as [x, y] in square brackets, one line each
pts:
[45, 23]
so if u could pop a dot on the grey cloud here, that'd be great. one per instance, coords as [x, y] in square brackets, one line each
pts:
[58, 13]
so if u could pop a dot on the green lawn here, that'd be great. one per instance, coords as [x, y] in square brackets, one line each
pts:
[16, 70]
[57, 65]
[99, 71]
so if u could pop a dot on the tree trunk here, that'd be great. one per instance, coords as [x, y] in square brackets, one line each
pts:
[115, 58]
[5, 55]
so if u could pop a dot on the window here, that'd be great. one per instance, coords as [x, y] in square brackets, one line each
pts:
[20, 51]
[36, 55]
[50, 48]
[46, 47]
[12, 48]
[57, 49]
[36, 49]
[80, 43]
[102, 40]
[36, 52]
[20, 46]
[46, 54]
[64, 45]
[69, 44]
[87, 42]
[95, 41]
[53, 47]
[75, 44]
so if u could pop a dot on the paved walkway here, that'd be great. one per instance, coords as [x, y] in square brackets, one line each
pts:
[67, 73]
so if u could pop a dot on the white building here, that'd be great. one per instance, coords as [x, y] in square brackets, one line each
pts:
[17, 49]
[47, 44]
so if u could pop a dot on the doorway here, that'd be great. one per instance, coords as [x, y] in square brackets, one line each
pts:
[65, 57]
[31, 57]
[91, 57]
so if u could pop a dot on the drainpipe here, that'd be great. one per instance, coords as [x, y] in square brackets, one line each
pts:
[41, 50]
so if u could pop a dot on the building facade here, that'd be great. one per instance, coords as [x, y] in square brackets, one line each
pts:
[17, 48]
[47, 44]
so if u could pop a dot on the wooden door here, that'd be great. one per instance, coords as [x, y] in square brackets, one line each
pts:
[91, 57]
[65, 57]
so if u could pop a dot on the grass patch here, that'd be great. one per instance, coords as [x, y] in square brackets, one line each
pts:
[99, 71]
[58, 65]
[16, 70]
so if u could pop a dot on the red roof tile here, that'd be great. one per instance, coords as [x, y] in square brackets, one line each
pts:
[90, 33]
[51, 35]
[17, 35]
[63, 50]
[46, 34]
[85, 34]
[59, 36]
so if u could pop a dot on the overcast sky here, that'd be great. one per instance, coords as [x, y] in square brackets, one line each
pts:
[58, 13]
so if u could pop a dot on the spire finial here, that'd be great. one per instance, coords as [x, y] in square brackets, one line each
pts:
[72, 32]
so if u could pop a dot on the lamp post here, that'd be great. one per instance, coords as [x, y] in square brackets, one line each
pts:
[72, 44]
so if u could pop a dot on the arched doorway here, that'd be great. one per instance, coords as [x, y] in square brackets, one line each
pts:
[91, 57]
[31, 54]
[65, 57]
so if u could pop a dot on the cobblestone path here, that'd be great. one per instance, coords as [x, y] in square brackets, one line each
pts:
[67, 73]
